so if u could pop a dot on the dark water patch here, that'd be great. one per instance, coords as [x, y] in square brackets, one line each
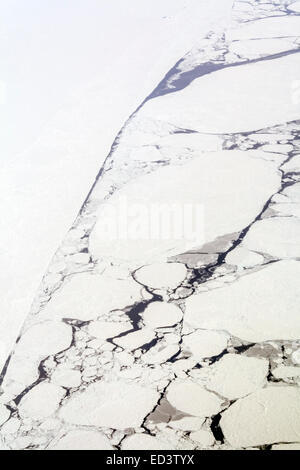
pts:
[182, 79]
[216, 428]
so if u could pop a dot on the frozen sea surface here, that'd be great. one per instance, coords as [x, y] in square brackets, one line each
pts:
[178, 342]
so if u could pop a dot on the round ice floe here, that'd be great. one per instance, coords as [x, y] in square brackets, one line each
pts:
[193, 399]
[83, 440]
[41, 401]
[235, 376]
[205, 343]
[44, 339]
[116, 405]
[144, 442]
[161, 275]
[87, 296]
[160, 314]
[264, 417]
[66, 377]
[4, 414]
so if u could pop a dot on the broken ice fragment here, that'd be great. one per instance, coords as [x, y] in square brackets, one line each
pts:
[41, 401]
[87, 296]
[251, 308]
[106, 404]
[104, 330]
[205, 343]
[203, 438]
[235, 376]
[160, 314]
[276, 236]
[66, 377]
[267, 416]
[193, 399]
[136, 339]
[161, 275]
[244, 258]
[286, 372]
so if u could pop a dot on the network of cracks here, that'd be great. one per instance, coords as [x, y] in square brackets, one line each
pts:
[195, 348]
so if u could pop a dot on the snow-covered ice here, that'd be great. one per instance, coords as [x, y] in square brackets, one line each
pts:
[162, 339]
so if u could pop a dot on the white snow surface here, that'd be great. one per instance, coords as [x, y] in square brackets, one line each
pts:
[72, 73]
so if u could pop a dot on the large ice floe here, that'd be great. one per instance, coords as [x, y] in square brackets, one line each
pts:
[137, 342]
